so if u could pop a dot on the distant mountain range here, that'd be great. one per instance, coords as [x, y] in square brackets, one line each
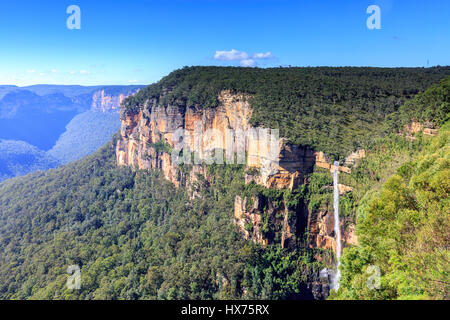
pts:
[42, 126]
[18, 158]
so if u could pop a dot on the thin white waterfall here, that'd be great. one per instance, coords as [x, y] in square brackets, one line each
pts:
[337, 229]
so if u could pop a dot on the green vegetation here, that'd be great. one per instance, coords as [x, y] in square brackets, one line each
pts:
[19, 158]
[85, 134]
[432, 107]
[318, 192]
[161, 146]
[136, 237]
[335, 110]
[403, 230]
[402, 191]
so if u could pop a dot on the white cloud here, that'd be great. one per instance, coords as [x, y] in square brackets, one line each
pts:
[132, 81]
[230, 55]
[72, 72]
[54, 71]
[42, 74]
[267, 55]
[31, 71]
[84, 72]
[243, 57]
[248, 63]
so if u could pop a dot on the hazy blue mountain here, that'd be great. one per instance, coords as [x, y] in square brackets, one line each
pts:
[68, 91]
[4, 89]
[19, 158]
[38, 118]
[74, 91]
[85, 133]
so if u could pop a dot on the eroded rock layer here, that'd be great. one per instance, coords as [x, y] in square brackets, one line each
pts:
[149, 137]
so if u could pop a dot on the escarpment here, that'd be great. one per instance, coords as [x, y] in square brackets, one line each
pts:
[163, 136]
[151, 137]
[102, 101]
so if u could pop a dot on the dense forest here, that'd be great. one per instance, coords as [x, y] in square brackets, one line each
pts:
[334, 110]
[85, 134]
[403, 226]
[402, 209]
[136, 237]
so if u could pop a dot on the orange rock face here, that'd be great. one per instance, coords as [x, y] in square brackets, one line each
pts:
[350, 235]
[322, 161]
[415, 127]
[101, 101]
[251, 224]
[280, 164]
[163, 124]
[149, 137]
[253, 218]
[354, 157]
[321, 230]
[431, 132]
[343, 189]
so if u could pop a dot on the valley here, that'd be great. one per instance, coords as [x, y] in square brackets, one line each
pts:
[45, 117]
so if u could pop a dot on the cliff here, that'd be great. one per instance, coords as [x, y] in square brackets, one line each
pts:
[162, 135]
[321, 229]
[147, 136]
[105, 102]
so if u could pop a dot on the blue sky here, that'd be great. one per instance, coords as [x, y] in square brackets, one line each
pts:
[139, 41]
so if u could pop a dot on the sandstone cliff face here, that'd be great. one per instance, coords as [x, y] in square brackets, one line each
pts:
[150, 136]
[321, 230]
[172, 124]
[354, 157]
[161, 124]
[249, 222]
[263, 222]
[103, 102]
[293, 164]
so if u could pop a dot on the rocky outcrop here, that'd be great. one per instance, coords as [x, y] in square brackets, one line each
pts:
[104, 102]
[293, 163]
[322, 161]
[416, 127]
[354, 157]
[168, 125]
[343, 189]
[321, 230]
[349, 233]
[249, 222]
[263, 222]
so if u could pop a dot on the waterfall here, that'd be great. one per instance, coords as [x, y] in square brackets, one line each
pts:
[337, 229]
